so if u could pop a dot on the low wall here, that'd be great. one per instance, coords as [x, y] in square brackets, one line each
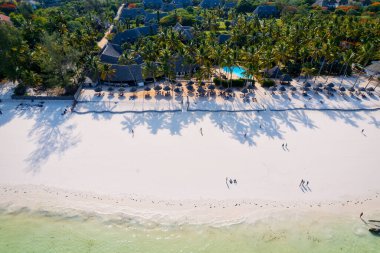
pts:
[42, 97]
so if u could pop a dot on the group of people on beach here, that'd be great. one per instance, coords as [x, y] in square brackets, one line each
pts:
[285, 146]
[304, 185]
[230, 181]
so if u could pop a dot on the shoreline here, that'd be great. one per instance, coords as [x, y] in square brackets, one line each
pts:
[51, 201]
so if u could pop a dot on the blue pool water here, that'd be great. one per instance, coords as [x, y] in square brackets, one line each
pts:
[239, 71]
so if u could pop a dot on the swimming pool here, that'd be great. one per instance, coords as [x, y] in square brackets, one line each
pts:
[239, 71]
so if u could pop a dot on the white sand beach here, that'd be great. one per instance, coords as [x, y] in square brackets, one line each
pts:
[94, 162]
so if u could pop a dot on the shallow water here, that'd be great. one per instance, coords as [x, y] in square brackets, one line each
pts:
[32, 233]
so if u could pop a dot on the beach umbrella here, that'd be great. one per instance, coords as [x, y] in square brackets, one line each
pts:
[190, 87]
[121, 89]
[201, 90]
[110, 89]
[133, 89]
[211, 87]
[273, 88]
[98, 89]
[250, 87]
[342, 89]
[286, 78]
[307, 84]
[352, 89]
[203, 84]
[370, 89]
[282, 88]
[331, 85]
[244, 91]
[305, 88]
[362, 89]
[293, 88]
[228, 90]
[147, 88]
[157, 88]
[178, 84]
[166, 88]
[331, 89]
[320, 85]
[221, 87]
[177, 90]
[190, 82]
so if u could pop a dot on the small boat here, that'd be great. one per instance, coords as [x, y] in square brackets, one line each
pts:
[375, 231]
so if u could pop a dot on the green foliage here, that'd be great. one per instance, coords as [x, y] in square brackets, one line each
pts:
[179, 16]
[20, 90]
[245, 6]
[268, 83]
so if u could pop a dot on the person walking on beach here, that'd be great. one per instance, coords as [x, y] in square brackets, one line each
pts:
[245, 135]
[133, 133]
[201, 131]
[302, 182]
[286, 146]
[363, 130]
[283, 145]
[227, 183]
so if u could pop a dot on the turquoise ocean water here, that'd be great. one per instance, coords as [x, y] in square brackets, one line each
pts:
[38, 233]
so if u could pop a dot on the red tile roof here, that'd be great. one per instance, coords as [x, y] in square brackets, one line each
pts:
[5, 18]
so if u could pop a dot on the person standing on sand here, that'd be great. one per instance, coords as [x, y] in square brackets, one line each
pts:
[302, 181]
[363, 130]
[201, 131]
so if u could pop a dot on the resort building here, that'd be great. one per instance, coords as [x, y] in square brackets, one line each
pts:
[152, 4]
[110, 53]
[125, 75]
[131, 13]
[182, 3]
[186, 32]
[209, 4]
[133, 34]
[266, 11]
[154, 18]
[182, 69]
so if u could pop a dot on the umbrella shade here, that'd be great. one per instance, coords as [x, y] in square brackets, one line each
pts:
[273, 88]
[228, 90]
[331, 85]
[147, 88]
[250, 86]
[110, 89]
[342, 89]
[245, 90]
[221, 87]
[133, 89]
[177, 90]
[200, 89]
[293, 88]
[371, 89]
[307, 84]
[282, 88]
[286, 78]
[319, 85]
[362, 89]
[157, 88]
[166, 88]
[178, 84]
[190, 82]
[211, 87]
[190, 87]
[98, 89]
[121, 89]
[352, 89]
[330, 89]
[305, 88]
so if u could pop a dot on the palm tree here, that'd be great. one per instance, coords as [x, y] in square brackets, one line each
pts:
[106, 71]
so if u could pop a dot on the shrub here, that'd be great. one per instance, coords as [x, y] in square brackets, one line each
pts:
[234, 82]
[268, 83]
[20, 90]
